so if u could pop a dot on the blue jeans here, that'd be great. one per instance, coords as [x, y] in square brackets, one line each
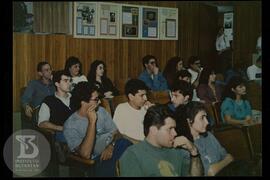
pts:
[107, 168]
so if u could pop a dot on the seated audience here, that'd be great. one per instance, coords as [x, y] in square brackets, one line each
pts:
[192, 122]
[195, 69]
[151, 75]
[157, 155]
[55, 109]
[37, 90]
[74, 67]
[235, 109]
[181, 93]
[207, 89]
[254, 72]
[98, 75]
[174, 65]
[90, 131]
[129, 116]
[186, 76]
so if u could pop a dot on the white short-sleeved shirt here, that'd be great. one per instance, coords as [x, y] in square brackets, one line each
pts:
[44, 111]
[129, 121]
[252, 71]
[222, 43]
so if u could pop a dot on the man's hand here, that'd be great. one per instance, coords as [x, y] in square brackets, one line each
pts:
[155, 71]
[147, 105]
[28, 111]
[107, 153]
[91, 114]
[182, 141]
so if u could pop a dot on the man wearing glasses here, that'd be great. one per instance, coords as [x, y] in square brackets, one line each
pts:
[151, 75]
[90, 131]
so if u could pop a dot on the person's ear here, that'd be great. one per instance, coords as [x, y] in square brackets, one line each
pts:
[189, 122]
[153, 129]
[56, 84]
[130, 96]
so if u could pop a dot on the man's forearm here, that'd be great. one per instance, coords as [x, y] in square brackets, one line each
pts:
[196, 167]
[50, 126]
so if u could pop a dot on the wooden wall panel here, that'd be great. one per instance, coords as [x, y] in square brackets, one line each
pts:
[247, 24]
[208, 29]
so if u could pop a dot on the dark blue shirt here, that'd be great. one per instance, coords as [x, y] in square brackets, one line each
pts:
[158, 83]
[35, 92]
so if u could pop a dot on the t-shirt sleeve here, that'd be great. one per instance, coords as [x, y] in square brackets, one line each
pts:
[117, 119]
[222, 151]
[129, 165]
[73, 138]
[227, 107]
[44, 113]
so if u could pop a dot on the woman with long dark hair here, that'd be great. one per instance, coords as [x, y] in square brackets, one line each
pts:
[192, 122]
[98, 76]
[173, 66]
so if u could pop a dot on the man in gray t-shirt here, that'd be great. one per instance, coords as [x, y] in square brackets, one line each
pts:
[91, 132]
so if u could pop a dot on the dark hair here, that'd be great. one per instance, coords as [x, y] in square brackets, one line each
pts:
[40, 65]
[81, 92]
[205, 74]
[72, 61]
[183, 87]
[134, 85]
[155, 116]
[57, 75]
[147, 58]
[233, 83]
[192, 60]
[183, 73]
[170, 69]
[185, 112]
[91, 76]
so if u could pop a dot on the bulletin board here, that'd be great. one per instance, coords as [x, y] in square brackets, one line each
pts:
[150, 23]
[130, 22]
[168, 23]
[108, 20]
[85, 20]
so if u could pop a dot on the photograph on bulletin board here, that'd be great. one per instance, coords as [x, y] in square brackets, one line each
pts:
[130, 22]
[150, 23]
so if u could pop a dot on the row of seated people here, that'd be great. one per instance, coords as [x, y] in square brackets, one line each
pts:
[61, 81]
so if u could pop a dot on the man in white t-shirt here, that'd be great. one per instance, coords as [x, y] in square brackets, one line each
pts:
[254, 71]
[129, 116]
[224, 52]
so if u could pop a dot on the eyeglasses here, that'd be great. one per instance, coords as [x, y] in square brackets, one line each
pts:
[95, 99]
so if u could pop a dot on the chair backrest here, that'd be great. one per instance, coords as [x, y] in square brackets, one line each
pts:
[117, 100]
[105, 103]
[217, 113]
[120, 84]
[235, 141]
[161, 97]
[254, 95]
